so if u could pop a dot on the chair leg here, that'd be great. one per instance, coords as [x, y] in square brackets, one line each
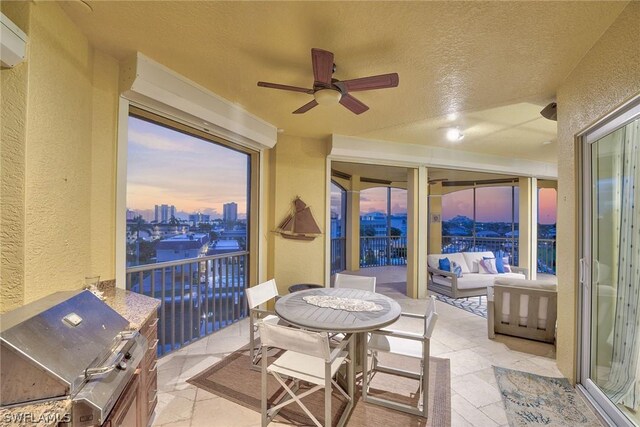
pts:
[425, 377]
[327, 394]
[252, 350]
[365, 368]
[263, 391]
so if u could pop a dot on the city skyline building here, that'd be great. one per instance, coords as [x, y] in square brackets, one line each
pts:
[230, 212]
[199, 218]
[164, 213]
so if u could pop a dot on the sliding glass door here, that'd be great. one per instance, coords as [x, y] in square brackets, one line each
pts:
[610, 267]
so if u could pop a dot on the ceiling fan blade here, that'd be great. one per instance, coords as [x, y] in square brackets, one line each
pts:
[373, 82]
[306, 107]
[322, 62]
[285, 87]
[353, 104]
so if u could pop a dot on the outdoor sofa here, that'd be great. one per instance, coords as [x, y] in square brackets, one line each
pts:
[473, 282]
[523, 308]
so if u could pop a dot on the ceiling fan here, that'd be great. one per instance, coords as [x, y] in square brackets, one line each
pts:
[329, 90]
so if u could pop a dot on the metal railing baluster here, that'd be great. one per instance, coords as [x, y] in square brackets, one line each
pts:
[173, 307]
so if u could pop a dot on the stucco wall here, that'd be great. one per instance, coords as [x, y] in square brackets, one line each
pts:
[12, 134]
[69, 159]
[298, 168]
[103, 165]
[608, 75]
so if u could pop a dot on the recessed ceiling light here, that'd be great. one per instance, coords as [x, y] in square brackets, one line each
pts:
[547, 142]
[280, 130]
[452, 116]
[454, 134]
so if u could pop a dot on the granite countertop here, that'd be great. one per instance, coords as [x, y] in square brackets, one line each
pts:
[134, 307]
[42, 414]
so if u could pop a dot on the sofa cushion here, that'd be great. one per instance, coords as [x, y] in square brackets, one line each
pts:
[455, 268]
[444, 264]
[434, 259]
[467, 281]
[473, 258]
[488, 266]
[510, 280]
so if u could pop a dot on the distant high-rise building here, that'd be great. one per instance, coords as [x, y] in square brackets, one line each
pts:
[131, 214]
[198, 218]
[230, 212]
[164, 213]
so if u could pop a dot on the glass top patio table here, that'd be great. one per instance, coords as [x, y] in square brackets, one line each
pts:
[295, 310]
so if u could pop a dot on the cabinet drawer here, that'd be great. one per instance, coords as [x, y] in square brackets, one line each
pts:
[152, 394]
[151, 355]
[150, 326]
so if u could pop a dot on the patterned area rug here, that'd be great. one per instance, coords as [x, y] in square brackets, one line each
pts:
[475, 305]
[232, 379]
[532, 400]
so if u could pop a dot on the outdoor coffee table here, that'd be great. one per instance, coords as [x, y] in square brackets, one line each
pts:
[294, 309]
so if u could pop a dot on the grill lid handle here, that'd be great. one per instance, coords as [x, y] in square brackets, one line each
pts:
[119, 363]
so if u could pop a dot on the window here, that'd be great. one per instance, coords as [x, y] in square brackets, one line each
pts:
[189, 226]
[547, 210]
[383, 226]
[481, 219]
[187, 195]
[338, 228]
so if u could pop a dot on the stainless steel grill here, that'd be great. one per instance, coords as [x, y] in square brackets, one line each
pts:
[69, 344]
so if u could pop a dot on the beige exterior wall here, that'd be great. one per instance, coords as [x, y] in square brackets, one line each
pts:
[66, 230]
[608, 75]
[12, 169]
[298, 168]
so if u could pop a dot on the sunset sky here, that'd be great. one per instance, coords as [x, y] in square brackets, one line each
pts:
[168, 167]
[493, 204]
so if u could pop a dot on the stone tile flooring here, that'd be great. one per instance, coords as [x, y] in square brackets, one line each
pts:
[459, 336]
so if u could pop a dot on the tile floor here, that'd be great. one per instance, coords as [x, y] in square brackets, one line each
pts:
[459, 336]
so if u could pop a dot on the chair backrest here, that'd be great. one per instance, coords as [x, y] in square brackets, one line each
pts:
[430, 317]
[362, 283]
[259, 294]
[299, 340]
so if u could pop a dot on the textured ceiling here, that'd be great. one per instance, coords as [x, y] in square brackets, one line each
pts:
[496, 63]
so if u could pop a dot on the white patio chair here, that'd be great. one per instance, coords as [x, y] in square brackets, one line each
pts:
[307, 358]
[355, 282]
[404, 344]
[256, 296]
[350, 281]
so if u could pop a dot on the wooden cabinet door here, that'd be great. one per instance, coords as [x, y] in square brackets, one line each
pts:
[127, 411]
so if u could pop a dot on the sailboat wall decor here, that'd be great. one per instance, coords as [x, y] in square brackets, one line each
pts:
[299, 224]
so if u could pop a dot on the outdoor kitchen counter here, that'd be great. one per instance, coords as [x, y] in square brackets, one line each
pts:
[136, 308]
[44, 414]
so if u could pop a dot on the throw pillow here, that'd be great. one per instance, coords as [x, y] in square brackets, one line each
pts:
[505, 264]
[456, 268]
[444, 264]
[499, 264]
[488, 266]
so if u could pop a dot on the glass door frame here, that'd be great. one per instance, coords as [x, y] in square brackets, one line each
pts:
[625, 114]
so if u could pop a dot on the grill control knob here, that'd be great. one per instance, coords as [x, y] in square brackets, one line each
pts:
[122, 365]
[127, 356]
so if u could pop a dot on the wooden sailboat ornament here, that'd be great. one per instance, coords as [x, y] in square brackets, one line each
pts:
[299, 224]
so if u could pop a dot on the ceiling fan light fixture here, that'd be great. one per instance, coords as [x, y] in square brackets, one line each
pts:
[454, 134]
[327, 96]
